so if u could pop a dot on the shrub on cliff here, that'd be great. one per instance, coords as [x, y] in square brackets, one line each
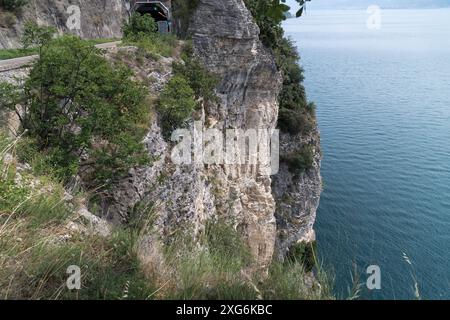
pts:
[12, 5]
[296, 114]
[140, 25]
[76, 104]
[200, 79]
[191, 85]
[301, 160]
[142, 31]
[176, 104]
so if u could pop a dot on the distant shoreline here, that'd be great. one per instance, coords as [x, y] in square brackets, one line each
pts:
[382, 7]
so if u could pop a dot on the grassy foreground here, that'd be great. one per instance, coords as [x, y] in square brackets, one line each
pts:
[37, 246]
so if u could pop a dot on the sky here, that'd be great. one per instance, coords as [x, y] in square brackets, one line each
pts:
[362, 4]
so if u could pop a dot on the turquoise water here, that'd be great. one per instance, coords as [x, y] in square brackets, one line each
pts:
[383, 101]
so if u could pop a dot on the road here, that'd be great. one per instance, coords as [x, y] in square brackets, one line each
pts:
[17, 63]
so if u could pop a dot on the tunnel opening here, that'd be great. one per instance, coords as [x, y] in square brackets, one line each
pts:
[159, 10]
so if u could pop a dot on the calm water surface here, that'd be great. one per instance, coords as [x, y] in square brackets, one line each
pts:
[383, 101]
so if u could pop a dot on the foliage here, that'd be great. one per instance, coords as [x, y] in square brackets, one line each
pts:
[75, 102]
[304, 253]
[33, 251]
[142, 31]
[200, 79]
[12, 5]
[154, 44]
[36, 36]
[139, 26]
[296, 114]
[176, 104]
[295, 121]
[191, 85]
[301, 160]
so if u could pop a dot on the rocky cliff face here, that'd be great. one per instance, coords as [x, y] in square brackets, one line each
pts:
[226, 39]
[273, 213]
[297, 195]
[98, 19]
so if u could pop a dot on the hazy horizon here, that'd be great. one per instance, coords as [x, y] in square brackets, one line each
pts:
[362, 4]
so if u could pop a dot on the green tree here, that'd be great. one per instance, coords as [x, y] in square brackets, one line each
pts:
[36, 36]
[76, 103]
[140, 25]
[176, 104]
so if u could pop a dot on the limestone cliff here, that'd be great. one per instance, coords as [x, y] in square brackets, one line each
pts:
[98, 19]
[226, 40]
[273, 213]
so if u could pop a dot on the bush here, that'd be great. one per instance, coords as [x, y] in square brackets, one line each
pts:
[12, 5]
[192, 83]
[76, 103]
[296, 114]
[142, 31]
[300, 161]
[139, 26]
[176, 104]
[304, 253]
[295, 121]
[200, 79]
[36, 36]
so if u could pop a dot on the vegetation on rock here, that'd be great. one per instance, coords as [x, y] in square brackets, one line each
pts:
[139, 25]
[142, 31]
[191, 85]
[301, 160]
[296, 116]
[74, 105]
[183, 11]
[12, 5]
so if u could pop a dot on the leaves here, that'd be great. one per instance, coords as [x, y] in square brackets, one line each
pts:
[176, 104]
[139, 25]
[75, 102]
[35, 35]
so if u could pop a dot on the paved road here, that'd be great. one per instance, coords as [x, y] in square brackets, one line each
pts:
[17, 63]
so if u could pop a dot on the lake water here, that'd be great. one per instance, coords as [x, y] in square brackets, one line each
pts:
[383, 100]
